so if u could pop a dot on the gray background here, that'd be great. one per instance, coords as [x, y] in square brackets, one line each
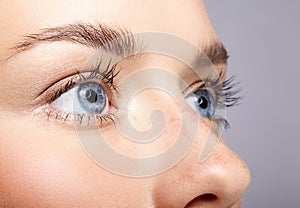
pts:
[262, 37]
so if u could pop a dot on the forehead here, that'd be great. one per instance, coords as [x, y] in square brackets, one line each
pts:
[186, 19]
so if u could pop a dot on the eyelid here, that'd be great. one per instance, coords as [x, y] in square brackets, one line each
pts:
[193, 87]
[95, 73]
[52, 93]
[202, 85]
[214, 85]
[224, 92]
[63, 85]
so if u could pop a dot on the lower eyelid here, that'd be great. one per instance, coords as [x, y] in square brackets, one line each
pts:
[71, 120]
[49, 113]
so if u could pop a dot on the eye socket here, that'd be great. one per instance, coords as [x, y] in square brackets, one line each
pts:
[202, 102]
[87, 98]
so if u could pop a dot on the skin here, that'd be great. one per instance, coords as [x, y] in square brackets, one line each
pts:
[42, 163]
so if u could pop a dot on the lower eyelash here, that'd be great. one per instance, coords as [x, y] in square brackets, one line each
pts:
[222, 122]
[74, 119]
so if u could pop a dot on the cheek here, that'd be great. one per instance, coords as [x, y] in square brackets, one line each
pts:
[37, 166]
[42, 167]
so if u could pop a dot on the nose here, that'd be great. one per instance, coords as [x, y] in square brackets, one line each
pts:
[218, 182]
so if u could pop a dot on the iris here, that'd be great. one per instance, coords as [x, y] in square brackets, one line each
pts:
[202, 102]
[92, 97]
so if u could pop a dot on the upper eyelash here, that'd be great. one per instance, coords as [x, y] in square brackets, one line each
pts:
[226, 92]
[107, 76]
[230, 93]
[67, 86]
[226, 95]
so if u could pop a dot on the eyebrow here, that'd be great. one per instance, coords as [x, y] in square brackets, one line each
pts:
[117, 40]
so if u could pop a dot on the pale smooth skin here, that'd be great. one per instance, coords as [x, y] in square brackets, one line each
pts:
[42, 163]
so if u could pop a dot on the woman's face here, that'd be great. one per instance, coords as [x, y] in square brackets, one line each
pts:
[42, 161]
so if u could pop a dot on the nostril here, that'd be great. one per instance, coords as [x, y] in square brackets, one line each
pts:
[202, 199]
[207, 197]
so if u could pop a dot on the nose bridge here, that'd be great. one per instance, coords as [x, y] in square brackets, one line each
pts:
[149, 101]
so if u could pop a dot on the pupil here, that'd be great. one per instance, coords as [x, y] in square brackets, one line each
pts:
[202, 102]
[91, 96]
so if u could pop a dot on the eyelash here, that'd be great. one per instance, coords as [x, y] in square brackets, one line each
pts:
[95, 75]
[226, 95]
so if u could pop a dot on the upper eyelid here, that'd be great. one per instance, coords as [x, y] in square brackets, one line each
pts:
[215, 84]
[191, 87]
[52, 92]
[48, 94]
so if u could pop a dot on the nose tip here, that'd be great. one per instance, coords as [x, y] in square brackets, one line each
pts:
[218, 182]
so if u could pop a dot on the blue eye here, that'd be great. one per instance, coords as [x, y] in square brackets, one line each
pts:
[91, 97]
[202, 102]
[87, 98]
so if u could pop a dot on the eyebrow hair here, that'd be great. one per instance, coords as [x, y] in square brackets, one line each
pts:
[216, 53]
[117, 40]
